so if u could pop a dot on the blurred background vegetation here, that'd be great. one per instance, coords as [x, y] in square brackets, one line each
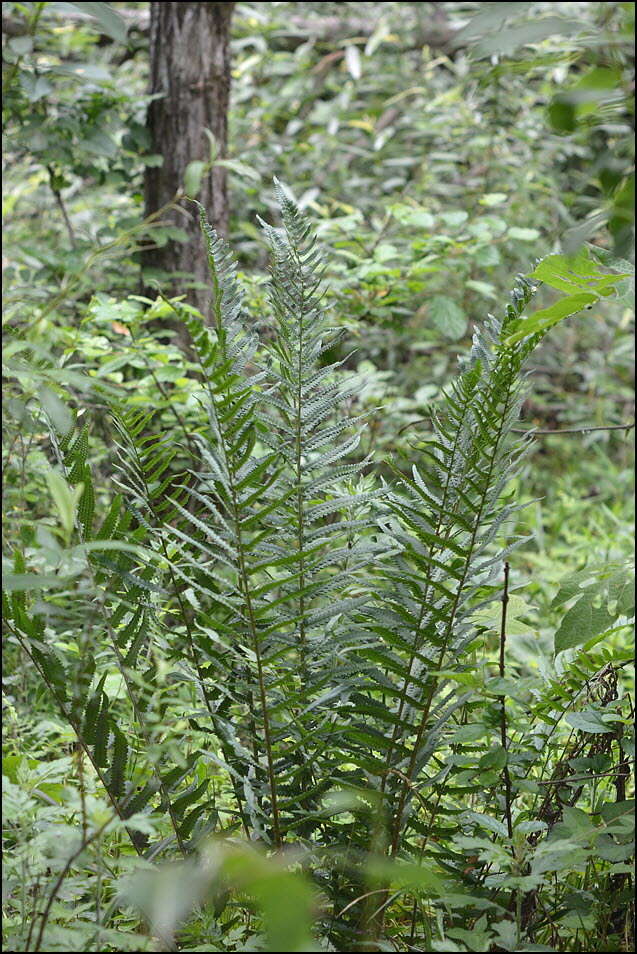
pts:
[434, 171]
[440, 148]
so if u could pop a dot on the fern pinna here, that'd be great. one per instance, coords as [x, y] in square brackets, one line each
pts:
[317, 619]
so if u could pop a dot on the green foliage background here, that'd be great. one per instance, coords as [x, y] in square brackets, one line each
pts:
[432, 175]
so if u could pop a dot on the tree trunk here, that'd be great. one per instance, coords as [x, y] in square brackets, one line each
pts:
[190, 68]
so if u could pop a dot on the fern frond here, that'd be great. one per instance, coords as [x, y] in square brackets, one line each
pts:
[447, 517]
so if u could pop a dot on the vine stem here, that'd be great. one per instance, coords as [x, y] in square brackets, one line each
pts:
[508, 795]
[118, 806]
[86, 841]
[61, 205]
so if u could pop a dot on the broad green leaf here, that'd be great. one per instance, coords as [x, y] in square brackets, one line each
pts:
[583, 98]
[589, 721]
[100, 143]
[496, 758]
[193, 177]
[490, 17]
[92, 72]
[545, 318]
[454, 217]
[621, 594]
[561, 113]
[575, 273]
[506, 41]
[483, 288]
[35, 87]
[407, 875]
[491, 199]
[108, 19]
[101, 15]
[21, 45]
[562, 854]
[66, 499]
[447, 317]
[241, 169]
[412, 215]
[353, 61]
[581, 276]
[522, 234]
[385, 252]
[472, 732]
[582, 622]
[27, 582]
[487, 822]
[285, 897]
[56, 409]
[491, 616]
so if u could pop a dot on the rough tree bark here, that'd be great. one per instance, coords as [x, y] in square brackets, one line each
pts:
[190, 67]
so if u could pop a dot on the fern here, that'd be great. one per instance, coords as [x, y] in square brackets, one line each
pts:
[114, 599]
[318, 616]
[302, 429]
[447, 517]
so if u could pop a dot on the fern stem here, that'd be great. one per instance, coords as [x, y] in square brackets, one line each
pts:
[244, 582]
[503, 715]
[300, 526]
[189, 633]
[300, 514]
[407, 682]
[262, 693]
[452, 616]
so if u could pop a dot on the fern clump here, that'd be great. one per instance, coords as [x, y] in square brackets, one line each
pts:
[320, 620]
